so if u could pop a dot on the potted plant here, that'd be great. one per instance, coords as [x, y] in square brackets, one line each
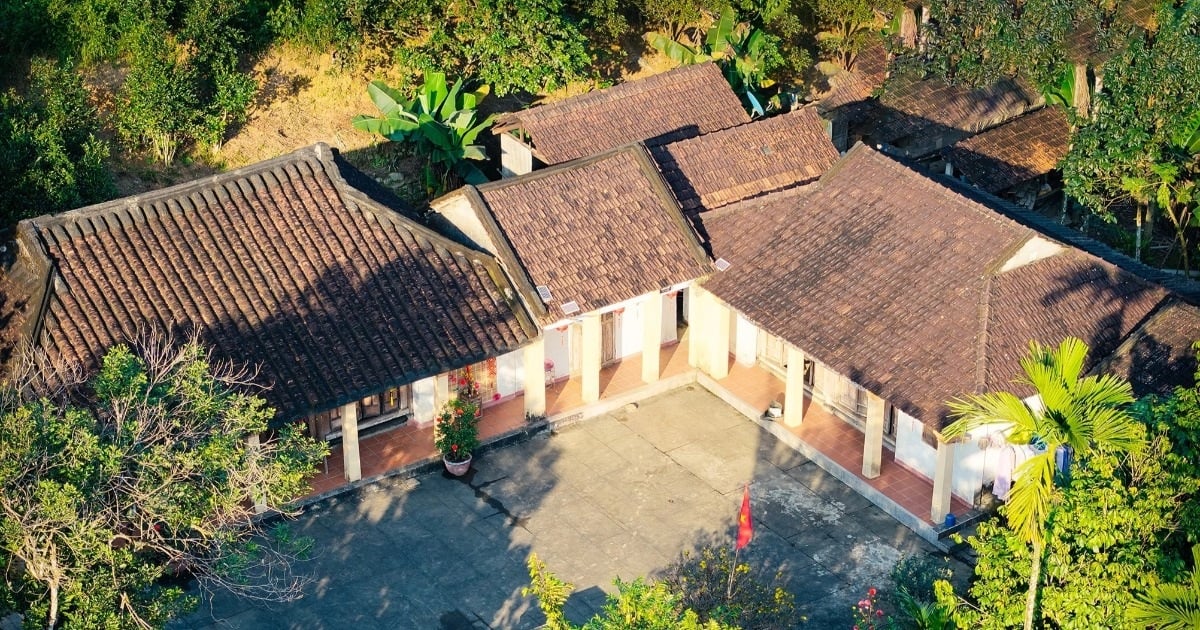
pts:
[457, 430]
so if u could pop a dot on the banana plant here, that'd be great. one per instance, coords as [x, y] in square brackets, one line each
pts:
[738, 48]
[441, 121]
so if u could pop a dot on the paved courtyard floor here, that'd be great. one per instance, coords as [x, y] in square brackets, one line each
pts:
[620, 495]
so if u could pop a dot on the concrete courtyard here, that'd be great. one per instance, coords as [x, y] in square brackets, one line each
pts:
[617, 496]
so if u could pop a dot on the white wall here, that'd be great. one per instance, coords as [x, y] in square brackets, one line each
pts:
[424, 393]
[629, 329]
[515, 157]
[558, 350]
[457, 209]
[510, 376]
[911, 450]
[745, 340]
[973, 466]
[670, 327]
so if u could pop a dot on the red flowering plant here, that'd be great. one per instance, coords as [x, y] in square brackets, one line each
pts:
[867, 616]
[457, 426]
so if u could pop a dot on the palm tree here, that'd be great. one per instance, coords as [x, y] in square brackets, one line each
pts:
[1170, 606]
[1081, 413]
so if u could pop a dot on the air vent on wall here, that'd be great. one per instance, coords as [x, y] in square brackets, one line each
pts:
[722, 264]
[570, 308]
[544, 293]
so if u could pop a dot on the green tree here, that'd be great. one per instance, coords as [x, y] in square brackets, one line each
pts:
[1140, 147]
[523, 46]
[110, 492]
[850, 26]
[1085, 414]
[51, 154]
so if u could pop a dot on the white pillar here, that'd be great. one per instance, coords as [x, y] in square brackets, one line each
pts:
[441, 391]
[943, 478]
[745, 345]
[793, 393]
[873, 436]
[252, 445]
[591, 358]
[350, 458]
[534, 361]
[718, 334]
[652, 312]
[515, 157]
[424, 393]
[697, 328]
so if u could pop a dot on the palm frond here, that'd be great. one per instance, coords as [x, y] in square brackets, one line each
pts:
[1116, 430]
[1029, 501]
[1070, 359]
[979, 410]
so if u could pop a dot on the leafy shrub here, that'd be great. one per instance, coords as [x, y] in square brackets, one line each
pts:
[51, 157]
[915, 575]
[701, 580]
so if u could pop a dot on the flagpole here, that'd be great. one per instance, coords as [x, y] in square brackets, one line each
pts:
[744, 534]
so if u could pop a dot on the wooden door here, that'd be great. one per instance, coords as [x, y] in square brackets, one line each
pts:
[608, 337]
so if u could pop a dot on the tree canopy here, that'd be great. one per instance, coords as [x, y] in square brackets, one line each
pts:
[114, 493]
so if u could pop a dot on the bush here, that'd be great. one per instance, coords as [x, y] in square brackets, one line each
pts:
[51, 157]
[701, 580]
[915, 575]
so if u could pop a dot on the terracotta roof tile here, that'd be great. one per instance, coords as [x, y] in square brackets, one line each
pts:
[1158, 356]
[1069, 294]
[915, 108]
[596, 231]
[1015, 152]
[680, 103]
[281, 265]
[726, 166]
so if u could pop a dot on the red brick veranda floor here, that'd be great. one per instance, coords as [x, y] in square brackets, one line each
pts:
[399, 447]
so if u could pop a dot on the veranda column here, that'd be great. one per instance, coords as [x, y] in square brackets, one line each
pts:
[943, 477]
[652, 314]
[534, 359]
[441, 390]
[260, 501]
[793, 393]
[873, 438]
[718, 337]
[591, 358]
[352, 466]
[697, 328]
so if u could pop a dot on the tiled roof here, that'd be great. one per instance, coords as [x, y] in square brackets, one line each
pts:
[677, 104]
[1069, 294]
[596, 231]
[915, 108]
[1158, 356]
[282, 265]
[851, 87]
[720, 168]
[1015, 152]
[893, 279]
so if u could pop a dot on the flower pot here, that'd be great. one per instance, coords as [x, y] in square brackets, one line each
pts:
[457, 469]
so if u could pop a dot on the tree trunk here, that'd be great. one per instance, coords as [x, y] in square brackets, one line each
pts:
[52, 617]
[1035, 576]
[1137, 239]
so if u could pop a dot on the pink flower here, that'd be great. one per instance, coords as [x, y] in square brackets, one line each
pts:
[871, 592]
[878, 613]
[453, 448]
[496, 396]
[864, 604]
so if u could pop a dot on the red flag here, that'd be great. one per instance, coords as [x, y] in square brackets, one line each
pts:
[745, 525]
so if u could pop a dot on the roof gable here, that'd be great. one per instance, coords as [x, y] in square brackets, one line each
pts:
[676, 104]
[280, 265]
[596, 231]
